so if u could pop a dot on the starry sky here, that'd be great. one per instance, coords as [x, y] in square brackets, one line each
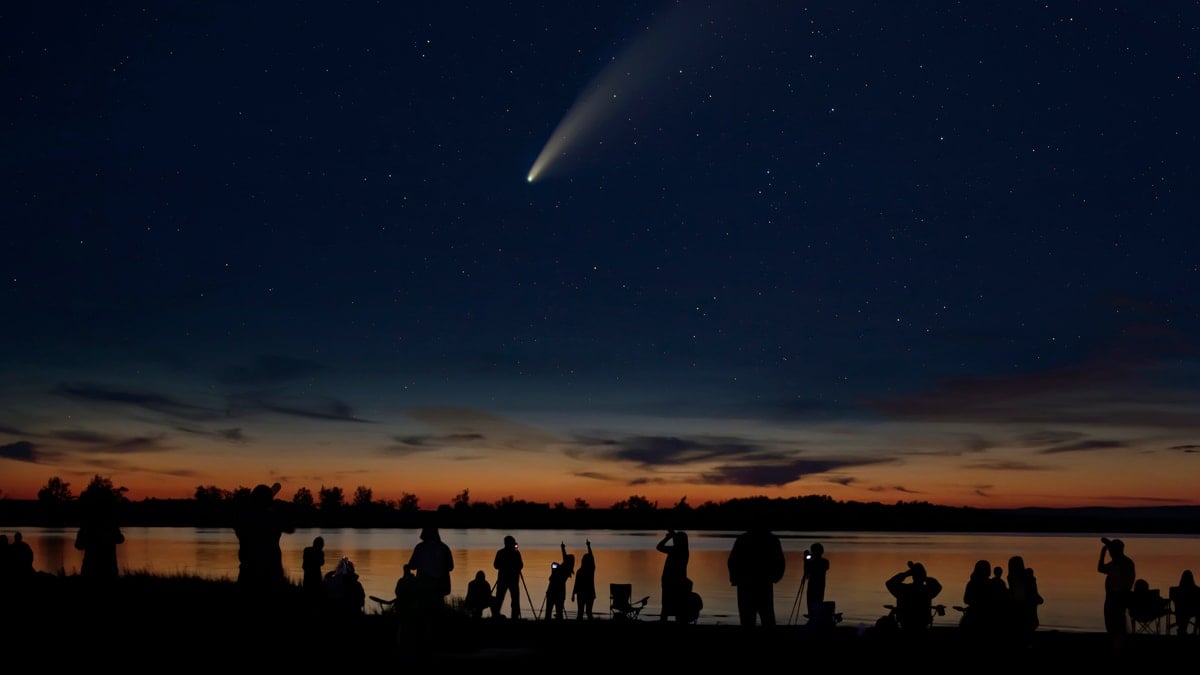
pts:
[880, 251]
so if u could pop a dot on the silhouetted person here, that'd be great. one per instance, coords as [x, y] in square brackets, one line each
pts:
[312, 560]
[5, 562]
[407, 602]
[1023, 599]
[914, 598]
[675, 582]
[508, 565]
[347, 597]
[432, 561]
[556, 591]
[99, 535]
[1186, 599]
[985, 601]
[756, 563]
[583, 591]
[816, 568]
[259, 526]
[1119, 576]
[20, 559]
[479, 597]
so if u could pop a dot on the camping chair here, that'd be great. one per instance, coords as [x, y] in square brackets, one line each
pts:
[826, 615]
[619, 605]
[1147, 610]
[894, 619]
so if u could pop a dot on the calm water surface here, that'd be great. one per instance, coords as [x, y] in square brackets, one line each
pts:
[860, 562]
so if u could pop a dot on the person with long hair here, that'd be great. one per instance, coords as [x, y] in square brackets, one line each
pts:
[675, 582]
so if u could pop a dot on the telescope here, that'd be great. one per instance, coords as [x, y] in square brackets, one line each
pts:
[1105, 540]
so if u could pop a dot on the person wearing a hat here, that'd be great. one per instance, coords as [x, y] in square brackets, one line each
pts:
[508, 564]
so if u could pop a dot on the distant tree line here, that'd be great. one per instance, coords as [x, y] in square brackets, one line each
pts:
[328, 507]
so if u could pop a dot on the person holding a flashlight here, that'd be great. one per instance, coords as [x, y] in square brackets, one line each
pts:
[816, 567]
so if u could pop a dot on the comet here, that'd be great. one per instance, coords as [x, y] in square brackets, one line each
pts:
[629, 83]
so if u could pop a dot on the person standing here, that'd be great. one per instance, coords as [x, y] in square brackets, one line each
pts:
[583, 591]
[99, 534]
[20, 559]
[756, 563]
[1119, 575]
[556, 592]
[433, 562]
[1024, 599]
[260, 525]
[312, 560]
[508, 565]
[675, 582]
[816, 568]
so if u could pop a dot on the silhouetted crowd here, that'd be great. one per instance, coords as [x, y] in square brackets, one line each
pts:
[999, 604]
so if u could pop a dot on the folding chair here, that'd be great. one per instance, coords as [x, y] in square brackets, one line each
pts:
[1147, 610]
[619, 605]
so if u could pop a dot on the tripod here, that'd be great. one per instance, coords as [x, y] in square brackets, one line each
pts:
[536, 613]
[795, 614]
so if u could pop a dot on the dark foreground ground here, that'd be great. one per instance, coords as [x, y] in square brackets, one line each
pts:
[182, 625]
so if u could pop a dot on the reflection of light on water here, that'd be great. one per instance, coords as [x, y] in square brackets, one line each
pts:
[860, 562]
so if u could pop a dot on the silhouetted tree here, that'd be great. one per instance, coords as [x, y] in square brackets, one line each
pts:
[55, 501]
[331, 499]
[56, 491]
[362, 497]
[101, 488]
[210, 494]
[635, 503]
[304, 499]
[462, 500]
[581, 504]
[408, 504]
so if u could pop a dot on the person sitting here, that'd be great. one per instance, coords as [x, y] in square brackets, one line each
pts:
[1146, 606]
[1186, 600]
[346, 594]
[914, 600]
[479, 597]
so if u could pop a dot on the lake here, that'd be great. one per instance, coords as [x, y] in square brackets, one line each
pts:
[860, 562]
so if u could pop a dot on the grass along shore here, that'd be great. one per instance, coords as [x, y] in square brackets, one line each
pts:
[140, 619]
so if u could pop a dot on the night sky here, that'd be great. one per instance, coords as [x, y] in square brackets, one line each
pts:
[880, 251]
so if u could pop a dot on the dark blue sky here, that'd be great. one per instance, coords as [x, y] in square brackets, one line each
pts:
[873, 250]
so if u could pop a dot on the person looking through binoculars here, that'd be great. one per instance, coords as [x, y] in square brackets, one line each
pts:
[914, 599]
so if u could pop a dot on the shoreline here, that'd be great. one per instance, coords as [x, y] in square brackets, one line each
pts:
[138, 621]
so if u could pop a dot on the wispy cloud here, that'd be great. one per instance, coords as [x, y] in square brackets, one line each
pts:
[22, 451]
[1083, 446]
[778, 474]
[158, 403]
